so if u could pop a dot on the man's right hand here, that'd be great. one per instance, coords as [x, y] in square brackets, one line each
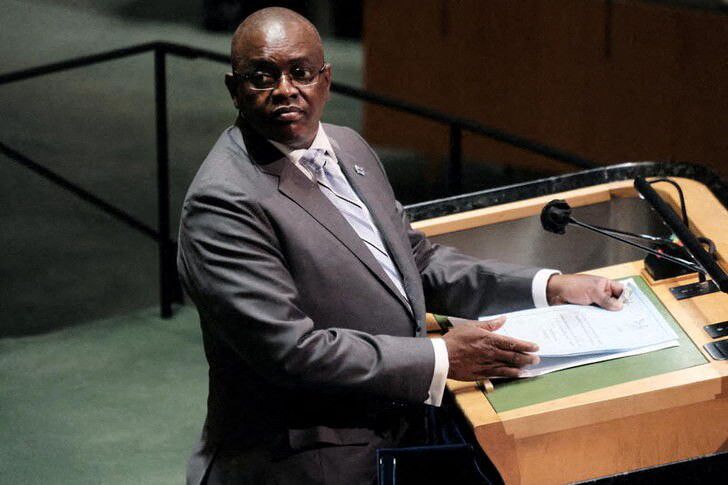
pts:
[475, 352]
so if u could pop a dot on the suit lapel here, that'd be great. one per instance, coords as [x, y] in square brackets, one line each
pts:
[296, 186]
[379, 215]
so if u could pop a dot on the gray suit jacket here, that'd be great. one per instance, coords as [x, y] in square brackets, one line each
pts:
[305, 335]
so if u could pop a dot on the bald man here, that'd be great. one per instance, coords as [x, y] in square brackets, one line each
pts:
[311, 285]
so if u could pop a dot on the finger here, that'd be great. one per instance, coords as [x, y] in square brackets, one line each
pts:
[504, 371]
[616, 288]
[513, 344]
[609, 302]
[513, 359]
[615, 304]
[518, 359]
[493, 325]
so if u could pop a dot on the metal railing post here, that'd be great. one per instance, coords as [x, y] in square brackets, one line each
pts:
[166, 276]
[455, 165]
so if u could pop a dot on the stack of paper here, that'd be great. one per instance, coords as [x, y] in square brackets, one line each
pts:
[572, 335]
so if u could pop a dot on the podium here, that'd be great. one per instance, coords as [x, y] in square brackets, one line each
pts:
[610, 417]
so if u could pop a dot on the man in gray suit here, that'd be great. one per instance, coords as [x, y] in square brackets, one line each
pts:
[311, 285]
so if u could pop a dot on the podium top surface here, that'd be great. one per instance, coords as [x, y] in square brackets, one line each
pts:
[524, 392]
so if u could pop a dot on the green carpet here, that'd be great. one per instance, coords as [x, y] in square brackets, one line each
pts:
[119, 400]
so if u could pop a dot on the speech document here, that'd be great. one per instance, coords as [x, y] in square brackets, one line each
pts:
[572, 335]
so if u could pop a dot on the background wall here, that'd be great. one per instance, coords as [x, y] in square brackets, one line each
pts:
[610, 80]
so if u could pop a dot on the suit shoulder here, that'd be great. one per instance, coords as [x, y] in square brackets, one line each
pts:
[227, 171]
[344, 134]
[355, 144]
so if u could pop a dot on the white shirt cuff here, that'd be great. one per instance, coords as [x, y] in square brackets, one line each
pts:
[439, 377]
[538, 287]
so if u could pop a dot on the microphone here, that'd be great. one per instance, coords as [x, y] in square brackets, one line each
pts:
[556, 215]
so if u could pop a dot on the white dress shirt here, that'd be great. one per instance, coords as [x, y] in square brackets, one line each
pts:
[442, 364]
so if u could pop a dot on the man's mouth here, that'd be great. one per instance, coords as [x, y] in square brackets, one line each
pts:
[288, 113]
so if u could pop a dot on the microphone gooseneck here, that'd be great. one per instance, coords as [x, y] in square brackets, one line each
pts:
[556, 215]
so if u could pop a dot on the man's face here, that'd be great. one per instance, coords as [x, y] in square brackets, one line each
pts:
[288, 113]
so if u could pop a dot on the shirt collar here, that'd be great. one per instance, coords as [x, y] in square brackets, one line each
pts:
[321, 141]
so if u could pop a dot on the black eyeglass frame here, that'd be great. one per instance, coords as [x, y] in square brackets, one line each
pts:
[314, 80]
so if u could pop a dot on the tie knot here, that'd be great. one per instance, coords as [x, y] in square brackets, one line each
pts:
[314, 159]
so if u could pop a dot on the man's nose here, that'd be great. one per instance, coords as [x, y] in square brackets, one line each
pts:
[285, 86]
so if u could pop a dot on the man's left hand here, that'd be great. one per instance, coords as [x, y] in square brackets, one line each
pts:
[584, 290]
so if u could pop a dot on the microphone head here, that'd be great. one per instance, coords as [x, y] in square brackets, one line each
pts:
[555, 216]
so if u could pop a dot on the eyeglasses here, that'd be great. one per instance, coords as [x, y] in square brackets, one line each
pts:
[267, 80]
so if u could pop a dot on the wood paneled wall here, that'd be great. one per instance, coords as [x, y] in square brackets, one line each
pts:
[611, 81]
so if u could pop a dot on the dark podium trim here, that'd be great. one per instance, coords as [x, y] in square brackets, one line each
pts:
[571, 181]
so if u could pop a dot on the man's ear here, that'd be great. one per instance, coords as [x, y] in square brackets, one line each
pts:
[327, 79]
[232, 85]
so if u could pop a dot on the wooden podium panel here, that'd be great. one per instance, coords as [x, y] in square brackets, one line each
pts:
[636, 424]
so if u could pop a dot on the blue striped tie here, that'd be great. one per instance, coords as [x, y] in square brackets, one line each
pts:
[336, 188]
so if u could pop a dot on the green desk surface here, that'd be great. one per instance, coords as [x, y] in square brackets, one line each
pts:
[525, 392]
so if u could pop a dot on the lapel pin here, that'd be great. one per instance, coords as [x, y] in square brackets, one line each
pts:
[359, 170]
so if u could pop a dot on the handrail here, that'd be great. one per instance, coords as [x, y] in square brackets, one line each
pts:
[78, 191]
[465, 124]
[170, 290]
[76, 62]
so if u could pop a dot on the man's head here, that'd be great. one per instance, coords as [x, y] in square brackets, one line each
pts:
[279, 82]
